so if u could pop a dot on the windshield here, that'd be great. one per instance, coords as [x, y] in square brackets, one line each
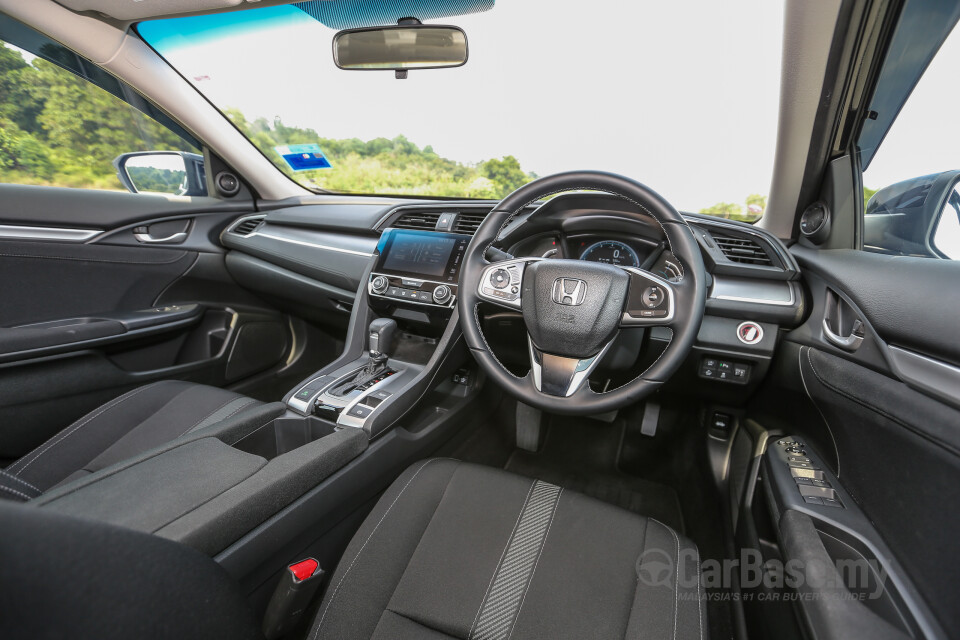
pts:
[687, 106]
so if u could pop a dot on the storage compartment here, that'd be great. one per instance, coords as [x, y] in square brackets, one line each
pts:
[284, 435]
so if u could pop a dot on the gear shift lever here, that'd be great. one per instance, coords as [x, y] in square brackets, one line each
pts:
[380, 342]
[380, 338]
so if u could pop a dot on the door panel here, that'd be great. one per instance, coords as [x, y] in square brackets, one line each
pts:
[897, 442]
[84, 319]
[53, 281]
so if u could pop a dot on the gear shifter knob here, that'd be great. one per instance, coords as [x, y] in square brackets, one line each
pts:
[380, 336]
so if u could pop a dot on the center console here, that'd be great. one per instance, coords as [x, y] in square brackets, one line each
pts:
[411, 292]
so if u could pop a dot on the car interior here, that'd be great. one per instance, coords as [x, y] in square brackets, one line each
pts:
[237, 405]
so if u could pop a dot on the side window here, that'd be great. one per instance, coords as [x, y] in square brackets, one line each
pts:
[912, 184]
[65, 122]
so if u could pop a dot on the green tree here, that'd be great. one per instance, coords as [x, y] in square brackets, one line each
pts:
[757, 200]
[505, 173]
[18, 100]
[867, 194]
[724, 210]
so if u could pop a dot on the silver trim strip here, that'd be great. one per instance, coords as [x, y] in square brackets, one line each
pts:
[579, 376]
[47, 233]
[726, 289]
[310, 244]
[926, 374]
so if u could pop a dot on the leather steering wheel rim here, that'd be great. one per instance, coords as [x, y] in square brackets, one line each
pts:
[689, 293]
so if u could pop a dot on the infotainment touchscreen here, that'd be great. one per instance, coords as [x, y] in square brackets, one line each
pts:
[422, 254]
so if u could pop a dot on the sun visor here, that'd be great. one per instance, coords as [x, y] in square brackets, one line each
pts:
[337, 14]
[352, 14]
[140, 9]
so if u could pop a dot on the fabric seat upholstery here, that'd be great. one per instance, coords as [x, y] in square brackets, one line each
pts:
[144, 418]
[454, 550]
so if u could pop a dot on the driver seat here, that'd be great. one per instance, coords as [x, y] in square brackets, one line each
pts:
[451, 550]
[455, 550]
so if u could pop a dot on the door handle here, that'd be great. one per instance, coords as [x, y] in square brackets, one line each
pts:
[146, 238]
[143, 236]
[842, 326]
[850, 343]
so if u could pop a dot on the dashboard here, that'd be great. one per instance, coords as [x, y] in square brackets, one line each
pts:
[406, 256]
[751, 275]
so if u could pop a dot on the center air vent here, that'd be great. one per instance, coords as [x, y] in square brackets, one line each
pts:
[468, 223]
[247, 226]
[742, 250]
[420, 220]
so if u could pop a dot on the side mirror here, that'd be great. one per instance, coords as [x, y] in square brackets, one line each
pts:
[400, 48]
[946, 231]
[175, 172]
[916, 217]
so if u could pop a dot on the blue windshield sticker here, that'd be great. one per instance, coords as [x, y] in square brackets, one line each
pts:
[304, 157]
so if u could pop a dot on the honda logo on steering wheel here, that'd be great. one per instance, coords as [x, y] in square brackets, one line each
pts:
[569, 291]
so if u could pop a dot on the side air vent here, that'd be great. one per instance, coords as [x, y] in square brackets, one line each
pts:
[468, 223]
[247, 226]
[420, 220]
[742, 250]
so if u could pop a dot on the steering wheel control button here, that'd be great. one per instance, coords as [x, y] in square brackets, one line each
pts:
[442, 294]
[502, 282]
[749, 333]
[653, 297]
[500, 279]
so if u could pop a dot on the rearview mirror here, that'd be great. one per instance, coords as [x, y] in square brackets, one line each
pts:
[175, 172]
[401, 47]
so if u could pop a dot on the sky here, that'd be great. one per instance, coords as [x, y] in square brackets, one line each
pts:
[687, 106]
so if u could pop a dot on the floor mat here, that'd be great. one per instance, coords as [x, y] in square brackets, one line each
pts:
[581, 457]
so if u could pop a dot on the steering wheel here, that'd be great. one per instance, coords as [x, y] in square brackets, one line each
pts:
[573, 310]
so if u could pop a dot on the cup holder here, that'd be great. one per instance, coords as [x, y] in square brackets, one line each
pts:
[284, 435]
